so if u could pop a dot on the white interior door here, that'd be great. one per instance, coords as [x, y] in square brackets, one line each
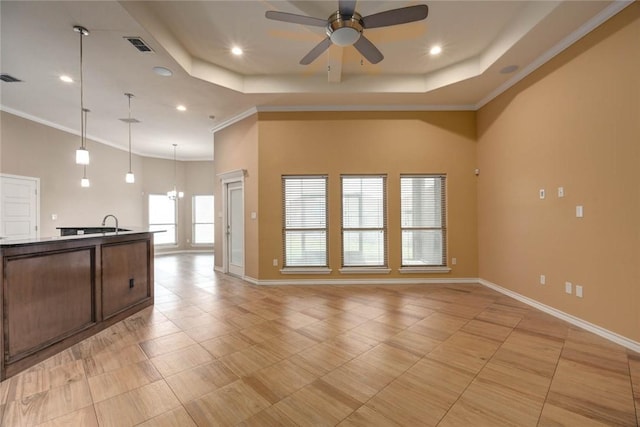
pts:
[18, 207]
[235, 229]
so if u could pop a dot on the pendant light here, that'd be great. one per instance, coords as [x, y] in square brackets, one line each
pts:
[82, 154]
[84, 182]
[173, 194]
[129, 177]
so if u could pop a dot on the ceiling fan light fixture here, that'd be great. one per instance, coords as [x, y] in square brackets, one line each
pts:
[345, 36]
[344, 32]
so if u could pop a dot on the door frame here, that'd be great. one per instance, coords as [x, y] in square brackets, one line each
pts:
[37, 181]
[231, 177]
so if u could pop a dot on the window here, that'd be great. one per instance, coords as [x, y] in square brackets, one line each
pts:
[203, 217]
[305, 221]
[423, 220]
[162, 216]
[364, 222]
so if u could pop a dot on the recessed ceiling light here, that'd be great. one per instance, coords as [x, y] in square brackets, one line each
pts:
[162, 71]
[181, 108]
[435, 50]
[66, 79]
[236, 51]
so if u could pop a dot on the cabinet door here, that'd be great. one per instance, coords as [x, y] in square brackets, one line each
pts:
[47, 298]
[125, 276]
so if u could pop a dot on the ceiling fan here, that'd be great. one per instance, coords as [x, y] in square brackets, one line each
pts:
[345, 26]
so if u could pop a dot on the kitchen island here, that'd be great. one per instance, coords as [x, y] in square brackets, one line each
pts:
[58, 291]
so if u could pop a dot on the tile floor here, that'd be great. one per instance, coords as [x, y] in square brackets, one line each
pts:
[216, 351]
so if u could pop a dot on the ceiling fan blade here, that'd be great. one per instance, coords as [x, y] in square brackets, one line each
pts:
[347, 7]
[295, 19]
[368, 50]
[402, 15]
[316, 51]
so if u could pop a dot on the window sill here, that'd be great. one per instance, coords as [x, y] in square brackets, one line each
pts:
[305, 270]
[409, 270]
[365, 270]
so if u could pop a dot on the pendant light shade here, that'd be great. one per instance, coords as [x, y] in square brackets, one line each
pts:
[84, 182]
[129, 178]
[175, 194]
[82, 154]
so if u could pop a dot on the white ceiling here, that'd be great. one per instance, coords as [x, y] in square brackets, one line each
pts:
[193, 39]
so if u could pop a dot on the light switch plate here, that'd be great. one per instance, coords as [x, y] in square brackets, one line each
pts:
[579, 291]
[568, 287]
[560, 191]
[543, 279]
[542, 193]
[579, 211]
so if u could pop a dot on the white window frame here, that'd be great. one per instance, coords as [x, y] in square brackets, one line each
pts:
[413, 267]
[194, 223]
[365, 268]
[175, 218]
[292, 268]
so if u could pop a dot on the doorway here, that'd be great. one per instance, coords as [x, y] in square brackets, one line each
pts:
[233, 222]
[19, 207]
[235, 229]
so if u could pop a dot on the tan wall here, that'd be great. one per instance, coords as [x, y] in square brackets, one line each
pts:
[31, 149]
[364, 143]
[573, 123]
[236, 147]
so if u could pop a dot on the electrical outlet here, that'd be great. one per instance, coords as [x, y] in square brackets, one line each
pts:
[454, 261]
[579, 291]
[543, 280]
[568, 287]
[560, 191]
[275, 262]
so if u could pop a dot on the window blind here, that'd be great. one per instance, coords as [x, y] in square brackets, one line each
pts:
[305, 221]
[423, 220]
[364, 222]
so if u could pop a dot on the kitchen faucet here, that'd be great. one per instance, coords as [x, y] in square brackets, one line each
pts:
[104, 221]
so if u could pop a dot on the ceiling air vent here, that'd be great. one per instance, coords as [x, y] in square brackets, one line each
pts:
[9, 79]
[139, 44]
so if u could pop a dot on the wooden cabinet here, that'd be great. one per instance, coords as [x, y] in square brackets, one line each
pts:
[125, 276]
[37, 286]
[56, 293]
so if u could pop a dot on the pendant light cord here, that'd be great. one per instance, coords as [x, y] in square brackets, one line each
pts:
[82, 119]
[84, 133]
[129, 95]
[175, 169]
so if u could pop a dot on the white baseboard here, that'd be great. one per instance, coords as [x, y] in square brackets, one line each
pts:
[341, 282]
[598, 330]
[184, 251]
[219, 269]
